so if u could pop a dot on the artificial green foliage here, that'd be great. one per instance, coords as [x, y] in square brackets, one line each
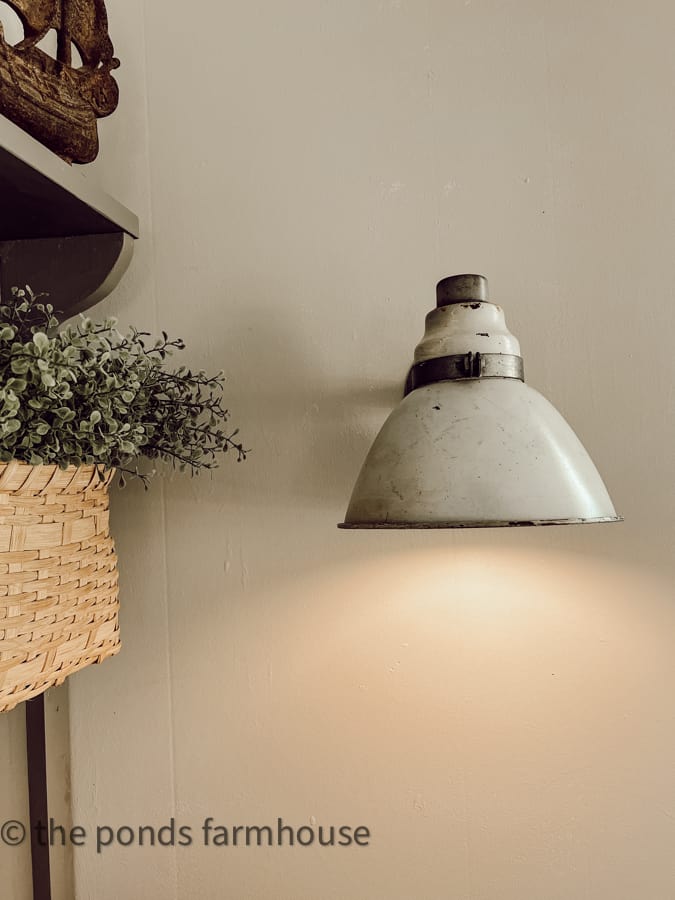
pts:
[89, 394]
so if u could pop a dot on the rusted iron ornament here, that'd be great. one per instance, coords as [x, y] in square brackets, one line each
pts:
[53, 100]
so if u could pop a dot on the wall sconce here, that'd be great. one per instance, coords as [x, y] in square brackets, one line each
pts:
[471, 445]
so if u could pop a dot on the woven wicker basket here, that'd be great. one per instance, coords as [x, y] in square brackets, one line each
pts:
[58, 577]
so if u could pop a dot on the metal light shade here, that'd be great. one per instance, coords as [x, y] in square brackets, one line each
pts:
[471, 445]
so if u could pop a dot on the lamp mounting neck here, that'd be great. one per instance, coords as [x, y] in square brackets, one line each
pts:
[462, 289]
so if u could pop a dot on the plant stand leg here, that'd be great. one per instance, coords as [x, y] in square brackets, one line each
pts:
[36, 754]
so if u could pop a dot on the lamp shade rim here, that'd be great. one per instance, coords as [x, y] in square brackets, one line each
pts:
[428, 526]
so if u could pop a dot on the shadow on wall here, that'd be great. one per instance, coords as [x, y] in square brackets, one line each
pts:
[309, 428]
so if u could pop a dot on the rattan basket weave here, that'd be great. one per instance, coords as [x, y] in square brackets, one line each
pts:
[58, 577]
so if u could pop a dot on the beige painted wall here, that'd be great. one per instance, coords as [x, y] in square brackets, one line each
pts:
[495, 706]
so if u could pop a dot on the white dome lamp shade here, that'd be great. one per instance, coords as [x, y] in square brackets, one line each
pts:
[471, 445]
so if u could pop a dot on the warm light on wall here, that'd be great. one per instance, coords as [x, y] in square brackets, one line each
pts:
[471, 445]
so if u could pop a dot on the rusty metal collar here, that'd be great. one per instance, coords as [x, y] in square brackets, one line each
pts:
[464, 366]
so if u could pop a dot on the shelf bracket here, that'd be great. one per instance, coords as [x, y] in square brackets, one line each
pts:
[76, 272]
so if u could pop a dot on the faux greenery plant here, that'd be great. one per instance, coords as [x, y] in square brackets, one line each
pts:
[89, 394]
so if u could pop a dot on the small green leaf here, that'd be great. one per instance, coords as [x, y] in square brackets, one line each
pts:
[41, 340]
[19, 366]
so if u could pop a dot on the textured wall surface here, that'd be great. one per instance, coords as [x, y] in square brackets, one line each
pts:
[495, 706]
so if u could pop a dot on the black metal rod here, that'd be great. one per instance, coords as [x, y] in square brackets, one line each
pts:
[36, 754]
